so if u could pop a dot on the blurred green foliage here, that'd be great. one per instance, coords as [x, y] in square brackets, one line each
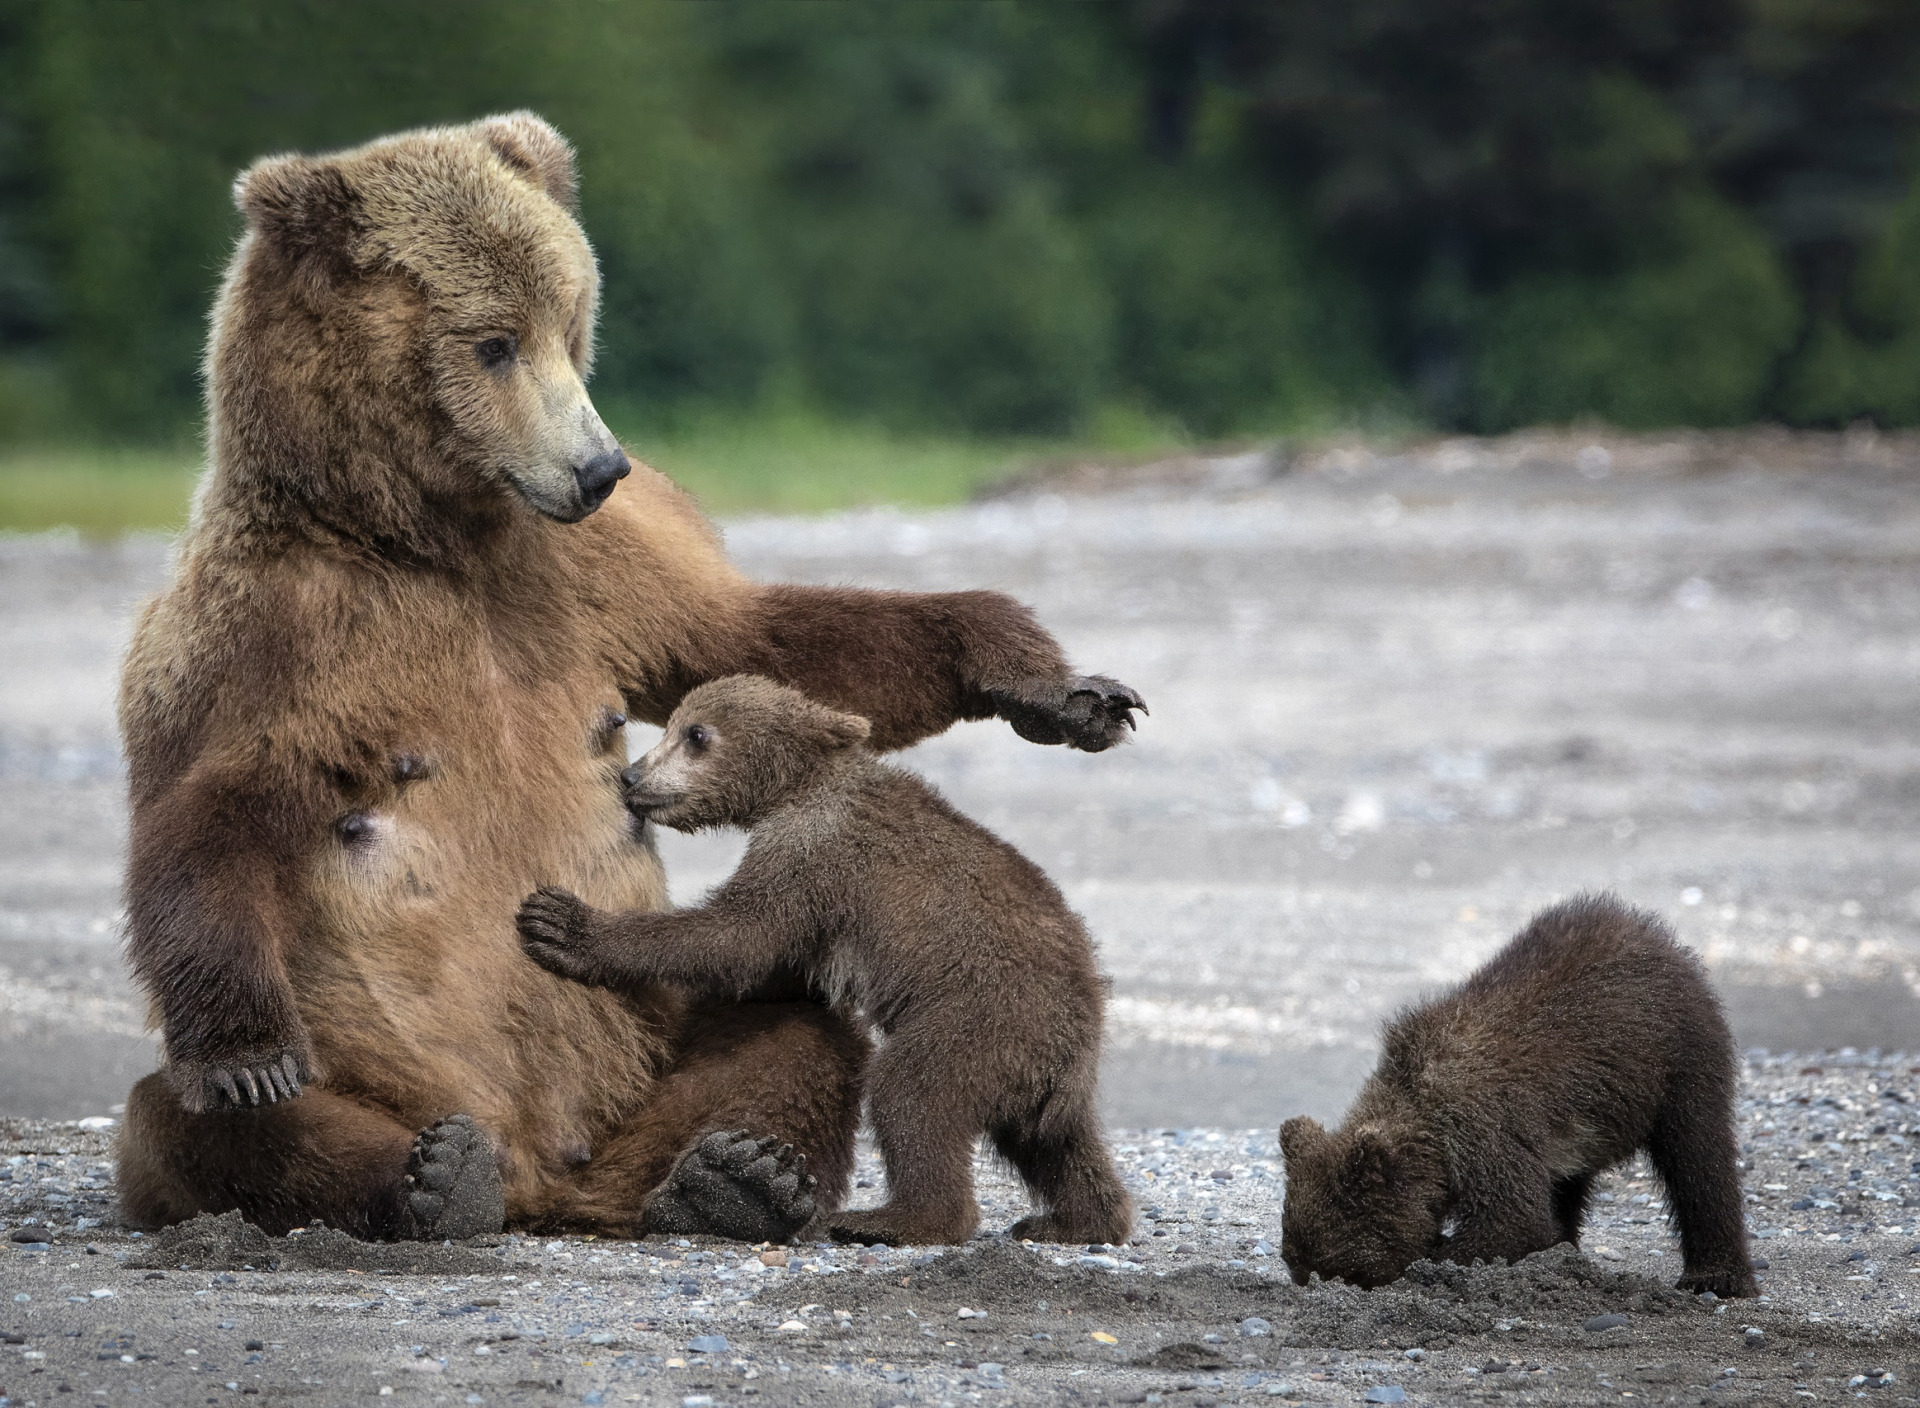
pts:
[1005, 219]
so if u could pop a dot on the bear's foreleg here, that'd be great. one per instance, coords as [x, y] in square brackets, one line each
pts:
[1509, 1211]
[719, 948]
[914, 663]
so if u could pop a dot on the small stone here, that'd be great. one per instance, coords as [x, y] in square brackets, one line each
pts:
[1386, 1393]
[708, 1344]
[29, 1234]
[776, 1257]
[1254, 1326]
[1754, 1337]
[1601, 1323]
[253, 1344]
[1416, 1355]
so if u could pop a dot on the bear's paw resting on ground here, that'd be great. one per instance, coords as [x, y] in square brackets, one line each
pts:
[1590, 1036]
[863, 879]
[383, 696]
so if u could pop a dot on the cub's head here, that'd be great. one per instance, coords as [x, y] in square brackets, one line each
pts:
[1362, 1204]
[734, 749]
[422, 306]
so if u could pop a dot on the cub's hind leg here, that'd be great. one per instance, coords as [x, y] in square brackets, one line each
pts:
[1692, 1149]
[925, 1126]
[1570, 1196]
[1062, 1155]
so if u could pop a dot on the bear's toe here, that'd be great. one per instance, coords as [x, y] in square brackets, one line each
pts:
[733, 1185]
[452, 1187]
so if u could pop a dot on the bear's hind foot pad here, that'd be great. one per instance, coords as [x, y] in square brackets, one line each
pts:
[452, 1188]
[733, 1185]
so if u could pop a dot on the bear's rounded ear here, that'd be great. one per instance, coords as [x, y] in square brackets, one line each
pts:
[529, 144]
[1298, 1135]
[845, 730]
[1369, 1158]
[300, 201]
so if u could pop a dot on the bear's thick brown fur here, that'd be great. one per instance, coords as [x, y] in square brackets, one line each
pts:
[1591, 1035]
[384, 696]
[862, 878]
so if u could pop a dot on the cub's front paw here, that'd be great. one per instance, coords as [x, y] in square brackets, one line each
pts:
[239, 1082]
[1088, 712]
[556, 932]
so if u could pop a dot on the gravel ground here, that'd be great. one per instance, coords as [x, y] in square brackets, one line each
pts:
[1401, 700]
[1196, 1309]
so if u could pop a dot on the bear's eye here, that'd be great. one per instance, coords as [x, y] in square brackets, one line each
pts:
[497, 352]
[697, 737]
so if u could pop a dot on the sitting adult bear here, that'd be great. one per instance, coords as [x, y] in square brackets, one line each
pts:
[384, 697]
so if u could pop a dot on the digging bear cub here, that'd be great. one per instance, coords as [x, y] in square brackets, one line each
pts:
[954, 945]
[1591, 1035]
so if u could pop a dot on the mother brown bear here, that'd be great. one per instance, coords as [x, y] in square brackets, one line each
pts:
[383, 699]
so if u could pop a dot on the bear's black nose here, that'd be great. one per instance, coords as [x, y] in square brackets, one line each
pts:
[630, 778]
[598, 475]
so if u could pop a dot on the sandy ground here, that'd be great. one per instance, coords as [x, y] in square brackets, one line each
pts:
[1399, 702]
[1197, 1309]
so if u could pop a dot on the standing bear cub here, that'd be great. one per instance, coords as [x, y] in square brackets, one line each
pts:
[951, 942]
[1590, 1036]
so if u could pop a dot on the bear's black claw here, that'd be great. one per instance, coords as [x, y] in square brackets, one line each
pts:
[733, 1185]
[452, 1187]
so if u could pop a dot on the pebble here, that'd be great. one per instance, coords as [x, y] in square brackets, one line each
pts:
[1386, 1393]
[1601, 1323]
[1254, 1327]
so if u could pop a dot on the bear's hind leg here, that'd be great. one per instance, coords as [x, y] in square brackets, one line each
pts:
[1692, 1149]
[1570, 1196]
[1062, 1156]
[319, 1156]
[926, 1132]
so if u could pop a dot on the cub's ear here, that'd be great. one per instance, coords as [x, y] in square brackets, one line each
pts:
[1368, 1161]
[844, 730]
[1298, 1136]
[528, 143]
[303, 203]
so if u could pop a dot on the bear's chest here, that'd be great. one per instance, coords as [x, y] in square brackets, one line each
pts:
[505, 775]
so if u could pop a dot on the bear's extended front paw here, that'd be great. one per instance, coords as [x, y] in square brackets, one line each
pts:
[1088, 712]
[555, 929]
[733, 1185]
[238, 1083]
[452, 1187]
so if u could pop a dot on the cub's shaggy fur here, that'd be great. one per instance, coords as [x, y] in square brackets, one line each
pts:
[862, 878]
[384, 695]
[1591, 1035]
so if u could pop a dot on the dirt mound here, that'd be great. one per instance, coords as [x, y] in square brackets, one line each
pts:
[1437, 1301]
[207, 1243]
[230, 1243]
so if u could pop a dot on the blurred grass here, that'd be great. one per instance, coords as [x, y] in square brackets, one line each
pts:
[101, 492]
[777, 461]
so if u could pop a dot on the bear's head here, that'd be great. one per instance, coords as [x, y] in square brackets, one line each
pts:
[735, 749]
[1362, 1205]
[405, 332]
